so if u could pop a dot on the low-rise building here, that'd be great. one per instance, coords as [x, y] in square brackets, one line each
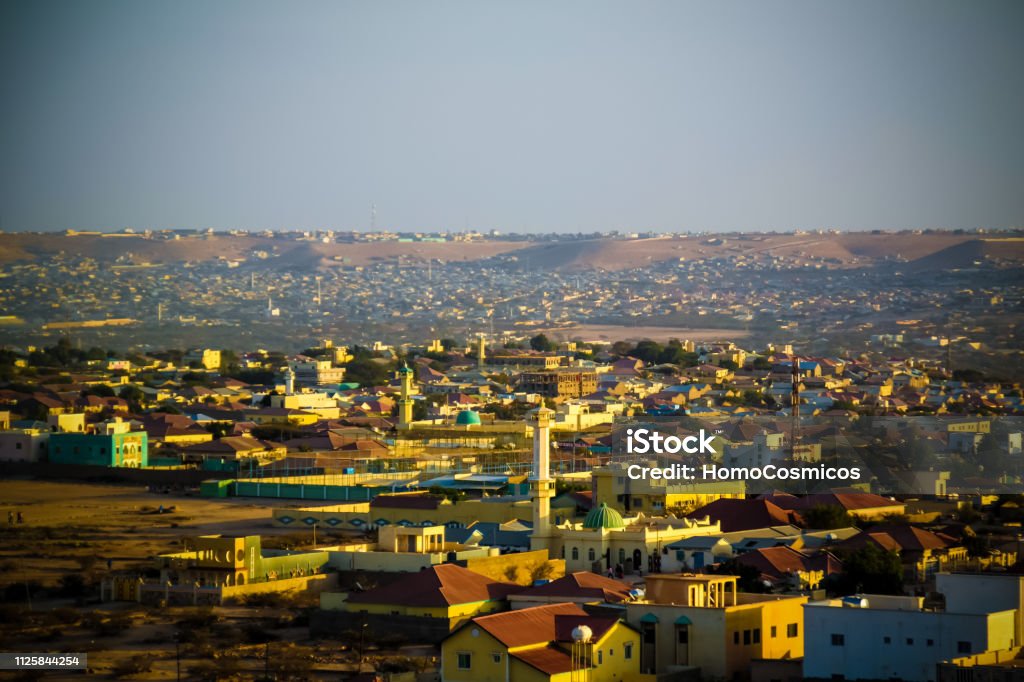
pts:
[897, 637]
[114, 446]
[537, 643]
[702, 625]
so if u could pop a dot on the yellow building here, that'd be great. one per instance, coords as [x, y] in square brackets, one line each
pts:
[408, 509]
[613, 486]
[537, 644]
[701, 622]
[281, 416]
[605, 539]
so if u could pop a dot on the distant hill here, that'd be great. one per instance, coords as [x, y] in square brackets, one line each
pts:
[924, 251]
[971, 253]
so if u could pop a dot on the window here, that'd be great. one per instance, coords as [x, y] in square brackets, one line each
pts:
[887, 640]
[773, 632]
[736, 637]
[465, 660]
[627, 650]
[17, 446]
[575, 553]
[930, 642]
[838, 640]
[910, 641]
[757, 635]
[600, 657]
[963, 647]
[683, 635]
[590, 554]
[792, 630]
[746, 636]
[496, 657]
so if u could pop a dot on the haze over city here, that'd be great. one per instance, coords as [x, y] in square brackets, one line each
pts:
[518, 117]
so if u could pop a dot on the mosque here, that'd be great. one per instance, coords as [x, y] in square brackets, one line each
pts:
[605, 539]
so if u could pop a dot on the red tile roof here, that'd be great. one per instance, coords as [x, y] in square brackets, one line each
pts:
[550, 660]
[527, 626]
[583, 584]
[734, 515]
[441, 585]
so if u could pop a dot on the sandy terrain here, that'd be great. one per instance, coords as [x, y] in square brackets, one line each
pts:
[849, 249]
[72, 529]
[66, 522]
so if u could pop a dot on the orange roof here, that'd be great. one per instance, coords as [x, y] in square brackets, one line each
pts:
[735, 515]
[583, 584]
[441, 585]
[527, 626]
[550, 660]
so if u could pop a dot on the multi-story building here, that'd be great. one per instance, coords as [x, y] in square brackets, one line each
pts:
[559, 383]
[115, 446]
[316, 372]
[702, 625]
[612, 484]
[207, 358]
[897, 637]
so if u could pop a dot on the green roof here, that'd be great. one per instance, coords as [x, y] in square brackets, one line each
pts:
[649, 618]
[603, 517]
[468, 418]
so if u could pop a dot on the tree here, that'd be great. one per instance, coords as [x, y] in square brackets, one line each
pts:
[540, 342]
[827, 517]
[871, 570]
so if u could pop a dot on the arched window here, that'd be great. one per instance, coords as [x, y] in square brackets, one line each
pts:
[590, 554]
[575, 554]
[622, 556]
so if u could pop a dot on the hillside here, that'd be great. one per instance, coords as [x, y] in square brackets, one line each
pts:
[925, 251]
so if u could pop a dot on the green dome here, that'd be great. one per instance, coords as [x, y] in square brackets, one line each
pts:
[468, 418]
[404, 369]
[603, 517]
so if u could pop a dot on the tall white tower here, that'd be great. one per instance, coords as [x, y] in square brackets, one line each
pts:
[289, 381]
[481, 352]
[542, 487]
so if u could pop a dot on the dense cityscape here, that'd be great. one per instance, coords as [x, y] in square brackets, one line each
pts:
[363, 507]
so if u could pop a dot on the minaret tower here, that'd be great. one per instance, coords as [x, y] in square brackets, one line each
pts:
[289, 381]
[405, 401]
[481, 351]
[542, 487]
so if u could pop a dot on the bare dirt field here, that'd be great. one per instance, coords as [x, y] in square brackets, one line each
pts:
[66, 523]
[53, 561]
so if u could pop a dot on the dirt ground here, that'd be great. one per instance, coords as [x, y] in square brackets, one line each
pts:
[64, 522]
[71, 530]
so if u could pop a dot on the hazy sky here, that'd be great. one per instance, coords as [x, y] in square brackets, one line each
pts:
[511, 115]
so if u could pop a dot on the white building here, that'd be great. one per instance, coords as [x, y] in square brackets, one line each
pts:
[884, 637]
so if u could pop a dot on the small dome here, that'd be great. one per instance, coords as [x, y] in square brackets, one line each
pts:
[603, 517]
[404, 369]
[468, 418]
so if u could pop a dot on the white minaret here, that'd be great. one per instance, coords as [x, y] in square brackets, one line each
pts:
[289, 381]
[542, 487]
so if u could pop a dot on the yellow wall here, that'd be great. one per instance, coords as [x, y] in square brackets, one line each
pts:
[456, 614]
[483, 647]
